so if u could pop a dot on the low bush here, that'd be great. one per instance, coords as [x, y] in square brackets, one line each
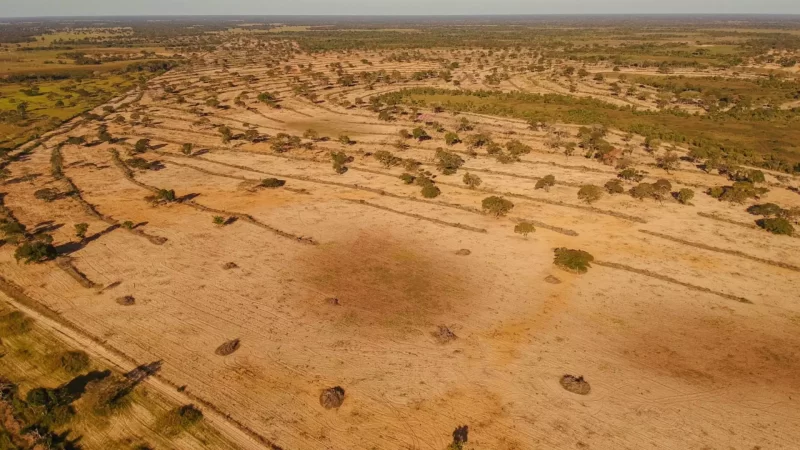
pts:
[577, 261]
[35, 252]
[81, 229]
[408, 178]
[272, 183]
[74, 361]
[496, 206]
[47, 194]
[472, 181]
[430, 190]
[776, 225]
[546, 182]
[684, 196]
[590, 193]
[179, 419]
[524, 228]
[386, 158]
[15, 323]
[448, 163]
[765, 209]
[614, 186]
[108, 395]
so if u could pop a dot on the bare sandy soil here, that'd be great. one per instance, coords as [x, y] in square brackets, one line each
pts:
[689, 338]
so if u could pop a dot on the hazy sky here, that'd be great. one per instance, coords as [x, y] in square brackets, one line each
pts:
[31, 8]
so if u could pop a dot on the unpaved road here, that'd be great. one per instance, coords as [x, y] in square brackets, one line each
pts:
[230, 431]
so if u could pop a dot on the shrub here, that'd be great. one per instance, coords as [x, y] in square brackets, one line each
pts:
[631, 174]
[35, 252]
[739, 192]
[345, 139]
[219, 220]
[167, 195]
[448, 163]
[46, 194]
[107, 395]
[141, 145]
[272, 183]
[642, 191]
[684, 196]
[128, 225]
[386, 158]
[15, 323]
[590, 193]
[13, 231]
[668, 162]
[577, 261]
[408, 178]
[661, 188]
[143, 164]
[339, 160]
[179, 419]
[472, 181]
[494, 149]
[546, 182]
[497, 206]
[776, 225]
[187, 148]
[74, 361]
[516, 148]
[311, 134]
[420, 134]
[765, 209]
[81, 229]
[430, 190]
[524, 228]
[614, 186]
[478, 140]
[451, 138]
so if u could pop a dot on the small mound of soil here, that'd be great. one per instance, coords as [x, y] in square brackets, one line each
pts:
[332, 397]
[332, 301]
[552, 280]
[444, 335]
[127, 300]
[463, 252]
[230, 265]
[576, 385]
[228, 348]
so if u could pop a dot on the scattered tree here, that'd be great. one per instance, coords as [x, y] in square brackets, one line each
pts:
[524, 228]
[81, 229]
[577, 261]
[546, 182]
[472, 181]
[496, 206]
[590, 193]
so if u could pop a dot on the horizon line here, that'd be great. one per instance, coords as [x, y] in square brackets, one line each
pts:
[650, 14]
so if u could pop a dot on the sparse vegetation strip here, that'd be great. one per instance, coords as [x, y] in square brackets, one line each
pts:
[652, 274]
[736, 253]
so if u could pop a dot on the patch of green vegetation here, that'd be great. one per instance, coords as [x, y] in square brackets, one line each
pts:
[764, 137]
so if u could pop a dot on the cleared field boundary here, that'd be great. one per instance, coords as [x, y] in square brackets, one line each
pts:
[241, 216]
[651, 274]
[65, 264]
[752, 226]
[366, 189]
[417, 216]
[736, 253]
